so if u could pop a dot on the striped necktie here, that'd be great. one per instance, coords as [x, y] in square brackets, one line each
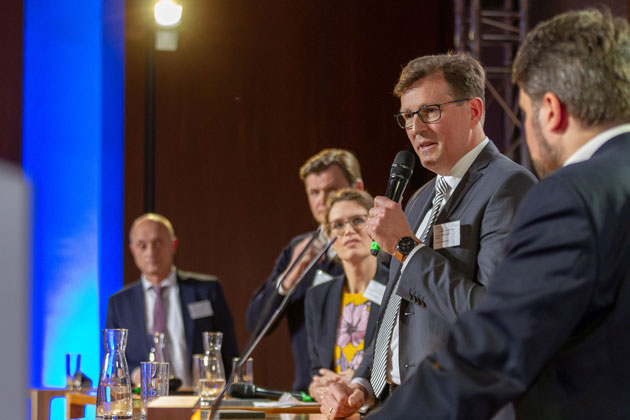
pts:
[378, 379]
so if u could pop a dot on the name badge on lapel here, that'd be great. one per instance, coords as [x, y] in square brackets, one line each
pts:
[374, 292]
[321, 277]
[446, 235]
[200, 309]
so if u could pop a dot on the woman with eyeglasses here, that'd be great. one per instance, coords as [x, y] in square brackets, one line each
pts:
[341, 313]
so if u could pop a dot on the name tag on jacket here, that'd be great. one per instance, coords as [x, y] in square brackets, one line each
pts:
[200, 309]
[374, 292]
[321, 277]
[446, 235]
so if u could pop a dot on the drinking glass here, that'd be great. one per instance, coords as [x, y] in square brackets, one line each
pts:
[197, 360]
[73, 379]
[246, 373]
[154, 382]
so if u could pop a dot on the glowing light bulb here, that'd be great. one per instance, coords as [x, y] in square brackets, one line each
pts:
[167, 13]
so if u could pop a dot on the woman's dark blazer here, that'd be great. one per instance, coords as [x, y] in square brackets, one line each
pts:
[322, 309]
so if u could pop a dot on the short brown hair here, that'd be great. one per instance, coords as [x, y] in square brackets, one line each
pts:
[463, 74]
[347, 162]
[582, 57]
[347, 194]
[154, 217]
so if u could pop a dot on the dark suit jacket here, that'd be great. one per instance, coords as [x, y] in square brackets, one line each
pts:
[294, 311]
[442, 284]
[552, 331]
[323, 305]
[126, 310]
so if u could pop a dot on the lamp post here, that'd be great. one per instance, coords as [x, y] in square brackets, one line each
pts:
[163, 37]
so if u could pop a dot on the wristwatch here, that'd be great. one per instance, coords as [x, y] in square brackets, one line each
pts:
[404, 247]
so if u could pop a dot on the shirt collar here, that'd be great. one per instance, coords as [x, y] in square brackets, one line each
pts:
[458, 170]
[590, 147]
[170, 280]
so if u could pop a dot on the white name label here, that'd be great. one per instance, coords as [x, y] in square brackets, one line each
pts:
[200, 309]
[374, 292]
[446, 235]
[321, 277]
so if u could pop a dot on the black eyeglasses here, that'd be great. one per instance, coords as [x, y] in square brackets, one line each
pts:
[338, 227]
[428, 114]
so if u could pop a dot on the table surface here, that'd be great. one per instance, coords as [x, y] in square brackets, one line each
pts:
[275, 416]
[271, 413]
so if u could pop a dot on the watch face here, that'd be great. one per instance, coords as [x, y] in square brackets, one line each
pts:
[406, 245]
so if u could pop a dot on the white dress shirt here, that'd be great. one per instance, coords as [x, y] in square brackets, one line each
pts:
[175, 335]
[589, 148]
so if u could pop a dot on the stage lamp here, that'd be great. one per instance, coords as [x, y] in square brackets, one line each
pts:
[168, 14]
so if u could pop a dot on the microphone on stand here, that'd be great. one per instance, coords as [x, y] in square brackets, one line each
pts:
[256, 337]
[241, 390]
[399, 176]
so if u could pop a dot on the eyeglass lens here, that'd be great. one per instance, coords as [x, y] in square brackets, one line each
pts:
[356, 222]
[428, 114]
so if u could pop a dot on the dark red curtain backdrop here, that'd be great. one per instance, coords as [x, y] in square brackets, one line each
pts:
[11, 30]
[253, 91]
[256, 88]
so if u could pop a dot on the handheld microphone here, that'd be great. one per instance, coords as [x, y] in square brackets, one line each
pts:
[241, 390]
[399, 176]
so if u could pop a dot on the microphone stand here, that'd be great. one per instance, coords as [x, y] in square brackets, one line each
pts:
[273, 297]
[214, 409]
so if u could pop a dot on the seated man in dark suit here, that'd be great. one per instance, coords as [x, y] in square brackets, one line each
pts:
[180, 304]
[551, 334]
[326, 172]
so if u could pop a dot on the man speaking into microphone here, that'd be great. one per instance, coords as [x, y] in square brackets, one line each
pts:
[449, 240]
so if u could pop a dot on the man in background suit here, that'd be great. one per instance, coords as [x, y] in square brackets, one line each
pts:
[190, 303]
[552, 332]
[326, 172]
[450, 239]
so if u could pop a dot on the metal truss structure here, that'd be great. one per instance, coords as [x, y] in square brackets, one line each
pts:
[491, 32]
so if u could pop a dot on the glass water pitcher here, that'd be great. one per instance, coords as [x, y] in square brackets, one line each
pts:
[158, 342]
[212, 371]
[113, 395]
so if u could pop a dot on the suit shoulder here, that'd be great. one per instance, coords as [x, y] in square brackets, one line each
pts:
[419, 190]
[125, 290]
[505, 164]
[196, 277]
